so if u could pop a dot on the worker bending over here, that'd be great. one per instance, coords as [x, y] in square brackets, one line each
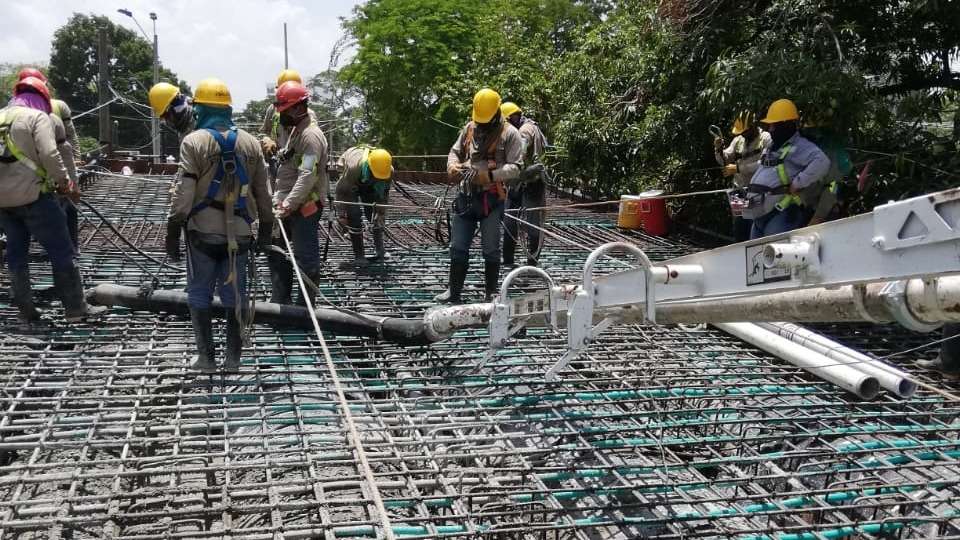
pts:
[741, 159]
[172, 107]
[487, 153]
[791, 164]
[31, 173]
[220, 190]
[527, 190]
[302, 186]
[365, 179]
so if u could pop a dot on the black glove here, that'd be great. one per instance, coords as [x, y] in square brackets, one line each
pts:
[264, 235]
[174, 227]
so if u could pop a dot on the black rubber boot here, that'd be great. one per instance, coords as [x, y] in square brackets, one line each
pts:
[281, 278]
[359, 261]
[509, 250]
[315, 278]
[22, 296]
[205, 361]
[234, 352]
[948, 361]
[379, 247]
[70, 289]
[458, 274]
[491, 278]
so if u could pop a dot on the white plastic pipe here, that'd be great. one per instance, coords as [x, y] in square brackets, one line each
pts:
[865, 386]
[889, 377]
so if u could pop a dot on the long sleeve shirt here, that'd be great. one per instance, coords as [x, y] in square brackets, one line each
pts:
[64, 147]
[303, 175]
[199, 160]
[804, 164]
[62, 110]
[508, 155]
[32, 133]
[352, 185]
[745, 155]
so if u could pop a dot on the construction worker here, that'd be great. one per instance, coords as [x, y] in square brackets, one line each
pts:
[220, 190]
[789, 165]
[948, 361]
[824, 197]
[365, 178]
[488, 153]
[273, 135]
[740, 159]
[60, 109]
[31, 172]
[528, 190]
[68, 201]
[302, 186]
[171, 106]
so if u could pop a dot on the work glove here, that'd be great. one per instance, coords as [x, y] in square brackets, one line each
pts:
[269, 146]
[264, 235]
[454, 171]
[282, 210]
[172, 241]
[729, 169]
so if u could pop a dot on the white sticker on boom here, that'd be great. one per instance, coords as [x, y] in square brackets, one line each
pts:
[757, 273]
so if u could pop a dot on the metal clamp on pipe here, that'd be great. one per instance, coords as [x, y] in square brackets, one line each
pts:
[499, 325]
[801, 256]
[894, 296]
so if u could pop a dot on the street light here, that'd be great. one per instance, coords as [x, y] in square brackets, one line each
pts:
[154, 121]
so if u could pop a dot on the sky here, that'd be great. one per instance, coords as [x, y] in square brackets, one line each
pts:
[239, 41]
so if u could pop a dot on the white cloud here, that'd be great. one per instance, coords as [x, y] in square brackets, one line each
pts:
[239, 41]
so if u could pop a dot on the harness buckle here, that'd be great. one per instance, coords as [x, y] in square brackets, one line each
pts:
[229, 160]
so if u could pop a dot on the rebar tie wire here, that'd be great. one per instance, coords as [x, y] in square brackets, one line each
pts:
[347, 415]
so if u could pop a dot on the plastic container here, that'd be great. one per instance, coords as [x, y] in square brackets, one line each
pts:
[629, 214]
[654, 218]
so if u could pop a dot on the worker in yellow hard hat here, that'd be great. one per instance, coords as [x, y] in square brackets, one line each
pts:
[488, 153]
[527, 191]
[171, 106]
[791, 164]
[740, 159]
[273, 135]
[365, 179]
[219, 192]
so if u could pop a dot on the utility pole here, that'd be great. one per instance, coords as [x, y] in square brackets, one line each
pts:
[286, 58]
[154, 121]
[103, 65]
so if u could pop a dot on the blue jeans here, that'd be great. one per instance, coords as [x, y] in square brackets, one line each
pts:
[73, 221]
[305, 236]
[777, 221]
[44, 220]
[464, 225]
[208, 267]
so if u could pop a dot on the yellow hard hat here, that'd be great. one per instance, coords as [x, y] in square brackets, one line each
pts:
[380, 163]
[212, 92]
[486, 104]
[743, 122]
[161, 96]
[288, 75]
[509, 108]
[781, 110]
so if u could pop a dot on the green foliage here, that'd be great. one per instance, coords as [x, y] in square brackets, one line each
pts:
[73, 73]
[252, 114]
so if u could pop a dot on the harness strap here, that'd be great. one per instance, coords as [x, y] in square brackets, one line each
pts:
[229, 164]
[6, 121]
[789, 198]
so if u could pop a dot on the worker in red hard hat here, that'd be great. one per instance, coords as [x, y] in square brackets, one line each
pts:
[59, 108]
[31, 173]
[273, 135]
[302, 186]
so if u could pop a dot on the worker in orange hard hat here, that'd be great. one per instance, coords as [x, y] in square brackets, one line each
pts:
[740, 159]
[301, 188]
[488, 153]
[32, 171]
[791, 164]
[58, 108]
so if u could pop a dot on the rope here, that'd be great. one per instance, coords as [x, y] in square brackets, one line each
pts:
[361, 454]
[93, 110]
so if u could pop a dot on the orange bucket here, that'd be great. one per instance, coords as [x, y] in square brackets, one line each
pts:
[629, 215]
[653, 215]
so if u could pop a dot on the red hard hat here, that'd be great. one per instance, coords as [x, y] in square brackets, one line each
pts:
[289, 94]
[34, 84]
[31, 72]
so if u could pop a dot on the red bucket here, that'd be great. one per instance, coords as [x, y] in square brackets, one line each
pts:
[653, 213]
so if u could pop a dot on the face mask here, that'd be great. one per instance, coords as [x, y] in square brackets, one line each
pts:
[781, 133]
[180, 118]
[516, 120]
[288, 120]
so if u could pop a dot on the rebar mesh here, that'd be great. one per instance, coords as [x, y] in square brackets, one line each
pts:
[656, 432]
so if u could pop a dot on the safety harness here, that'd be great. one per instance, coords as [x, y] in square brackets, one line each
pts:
[759, 192]
[7, 117]
[229, 164]
[489, 153]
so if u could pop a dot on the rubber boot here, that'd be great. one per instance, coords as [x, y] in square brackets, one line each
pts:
[948, 361]
[22, 296]
[70, 289]
[491, 277]
[509, 250]
[379, 247]
[458, 274]
[359, 261]
[281, 278]
[202, 320]
[231, 360]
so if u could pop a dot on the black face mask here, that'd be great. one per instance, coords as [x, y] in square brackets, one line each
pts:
[180, 120]
[751, 134]
[781, 132]
[516, 120]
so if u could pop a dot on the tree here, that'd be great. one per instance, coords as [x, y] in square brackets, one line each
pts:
[73, 74]
[252, 114]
